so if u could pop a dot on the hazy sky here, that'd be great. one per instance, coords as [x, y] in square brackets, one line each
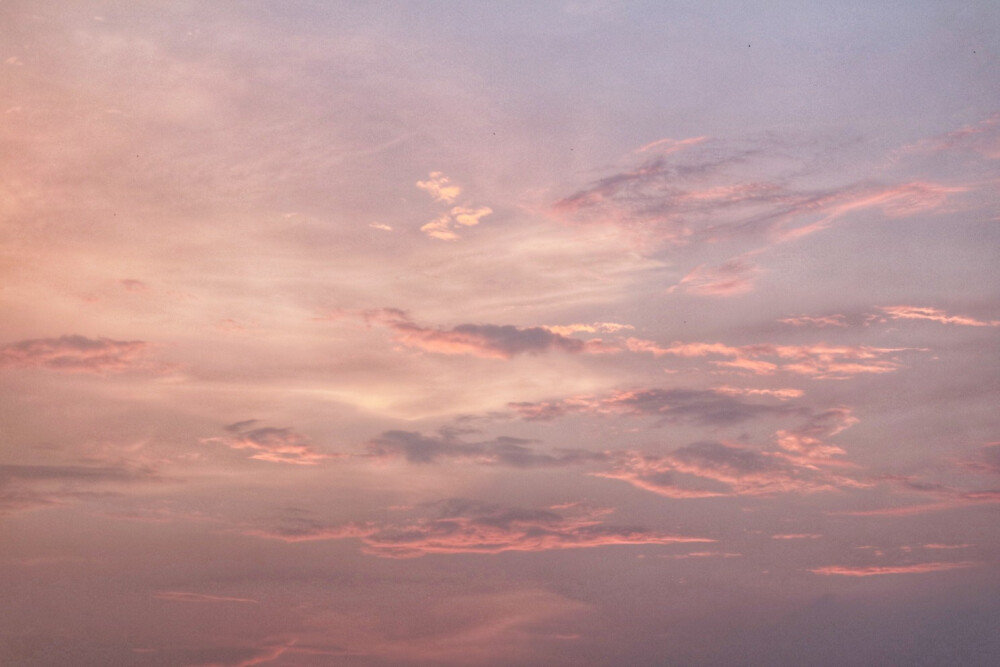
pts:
[558, 333]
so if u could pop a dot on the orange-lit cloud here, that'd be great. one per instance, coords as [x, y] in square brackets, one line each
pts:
[934, 315]
[276, 445]
[458, 526]
[481, 340]
[820, 360]
[875, 570]
[440, 187]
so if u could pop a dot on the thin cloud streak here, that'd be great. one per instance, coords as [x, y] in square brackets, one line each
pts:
[876, 570]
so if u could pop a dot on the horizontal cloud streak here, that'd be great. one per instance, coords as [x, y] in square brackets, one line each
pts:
[78, 354]
[276, 445]
[459, 526]
[875, 570]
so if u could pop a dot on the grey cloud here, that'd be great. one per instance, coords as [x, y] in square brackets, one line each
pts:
[514, 452]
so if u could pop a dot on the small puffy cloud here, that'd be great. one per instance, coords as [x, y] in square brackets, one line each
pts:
[440, 188]
[276, 445]
[380, 225]
[783, 394]
[133, 285]
[934, 315]
[443, 227]
[460, 526]
[482, 340]
[78, 354]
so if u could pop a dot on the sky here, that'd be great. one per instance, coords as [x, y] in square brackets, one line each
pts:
[527, 334]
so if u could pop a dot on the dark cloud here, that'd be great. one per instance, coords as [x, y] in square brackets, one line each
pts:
[483, 340]
[277, 445]
[507, 451]
[699, 406]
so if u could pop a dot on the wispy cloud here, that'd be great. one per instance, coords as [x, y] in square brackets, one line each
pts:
[816, 321]
[276, 445]
[458, 526]
[819, 360]
[934, 315]
[185, 596]
[507, 451]
[731, 278]
[875, 570]
[699, 196]
[707, 407]
[79, 354]
[482, 340]
[29, 486]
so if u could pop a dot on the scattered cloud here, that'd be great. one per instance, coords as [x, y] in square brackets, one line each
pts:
[514, 452]
[874, 570]
[935, 315]
[466, 526]
[276, 445]
[701, 406]
[79, 354]
[443, 227]
[782, 394]
[716, 190]
[819, 361]
[796, 536]
[809, 440]
[380, 225]
[440, 187]
[596, 327]
[481, 340]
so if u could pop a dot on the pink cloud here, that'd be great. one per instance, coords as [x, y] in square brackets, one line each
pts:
[482, 340]
[729, 279]
[667, 146]
[874, 570]
[796, 536]
[439, 187]
[819, 360]
[79, 354]
[464, 526]
[934, 315]
[276, 445]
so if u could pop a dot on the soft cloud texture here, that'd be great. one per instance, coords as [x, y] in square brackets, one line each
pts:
[275, 445]
[78, 354]
[458, 526]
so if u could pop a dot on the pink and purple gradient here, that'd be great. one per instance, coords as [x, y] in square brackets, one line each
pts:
[568, 333]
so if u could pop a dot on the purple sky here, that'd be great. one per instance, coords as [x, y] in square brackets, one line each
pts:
[562, 333]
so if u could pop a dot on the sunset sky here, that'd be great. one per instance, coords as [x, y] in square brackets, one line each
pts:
[572, 333]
